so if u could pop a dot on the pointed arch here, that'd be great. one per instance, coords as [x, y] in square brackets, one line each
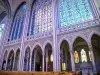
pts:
[27, 59]
[10, 60]
[65, 58]
[36, 64]
[17, 58]
[48, 57]
[43, 10]
[17, 23]
[95, 42]
[80, 45]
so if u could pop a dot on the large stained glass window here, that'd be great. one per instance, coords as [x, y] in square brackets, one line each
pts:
[17, 27]
[1, 29]
[73, 12]
[83, 56]
[41, 20]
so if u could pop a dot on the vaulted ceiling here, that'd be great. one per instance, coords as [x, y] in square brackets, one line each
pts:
[4, 9]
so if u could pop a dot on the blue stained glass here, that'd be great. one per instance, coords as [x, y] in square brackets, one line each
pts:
[21, 28]
[12, 36]
[73, 12]
[41, 20]
[16, 31]
[32, 26]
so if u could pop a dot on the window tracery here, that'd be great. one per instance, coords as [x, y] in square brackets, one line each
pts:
[41, 20]
[17, 28]
[73, 12]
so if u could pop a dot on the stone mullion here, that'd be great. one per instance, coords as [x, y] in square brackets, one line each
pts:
[12, 29]
[31, 24]
[92, 56]
[43, 61]
[72, 58]
[15, 29]
[35, 53]
[30, 61]
[19, 28]
[94, 8]
[14, 61]
[46, 60]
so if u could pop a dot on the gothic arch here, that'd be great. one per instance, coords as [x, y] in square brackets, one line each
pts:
[79, 36]
[17, 58]
[17, 20]
[95, 44]
[46, 44]
[27, 59]
[18, 8]
[27, 47]
[62, 39]
[92, 33]
[37, 44]
[65, 57]
[48, 57]
[36, 64]
[10, 61]
[80, 45]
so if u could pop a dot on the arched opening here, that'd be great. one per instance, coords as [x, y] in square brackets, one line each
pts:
[95, 40]
[37, 59]
[65, 58]
[41, 17]
[17, 60]
[10, 60]
[18, 21]
[48, 58]
[81, 54]
[4, 61]
[27, 59]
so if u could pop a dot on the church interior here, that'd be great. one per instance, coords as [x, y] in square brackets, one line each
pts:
[49, 37]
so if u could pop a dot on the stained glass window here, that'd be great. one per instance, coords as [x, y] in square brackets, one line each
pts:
[17, 27]
[1, 29]
[73, 12]
[83, 56]
[51, 57]
[41, 20]
[76, 57]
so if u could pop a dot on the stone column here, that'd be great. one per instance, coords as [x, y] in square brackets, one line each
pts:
[55, 51]
[34, 59]
[6, 63]
[14, 63]
[43, 61]
[46, 60]
[30, 60]
[72, 59]
[92, 56]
